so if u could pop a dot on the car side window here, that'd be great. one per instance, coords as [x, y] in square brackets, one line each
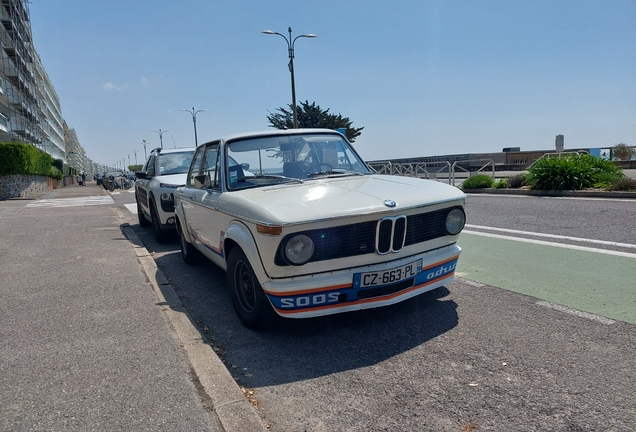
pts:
[150, 167]
[211, 166]
[196, 168]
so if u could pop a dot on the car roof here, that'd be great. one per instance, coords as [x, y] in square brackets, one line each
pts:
[160, 151]
[275, 132]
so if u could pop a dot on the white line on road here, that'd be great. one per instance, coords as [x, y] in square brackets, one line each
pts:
[131, 207]
[578, 313]
[545, 243]
[554, 236]
[73, 202]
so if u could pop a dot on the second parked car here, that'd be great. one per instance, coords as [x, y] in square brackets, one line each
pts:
[164, 171]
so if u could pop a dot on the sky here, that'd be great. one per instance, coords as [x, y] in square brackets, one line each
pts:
[423, 77]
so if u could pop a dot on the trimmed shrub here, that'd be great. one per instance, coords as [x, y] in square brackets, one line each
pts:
[480, 181]
[572, 172]
[501, 183]
[515, 182]
[624, 184]
[20, 158]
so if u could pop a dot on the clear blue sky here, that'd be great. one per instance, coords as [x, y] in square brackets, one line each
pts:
[423, 77]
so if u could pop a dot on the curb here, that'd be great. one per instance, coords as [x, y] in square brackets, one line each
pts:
[234, 411]
[578, 194]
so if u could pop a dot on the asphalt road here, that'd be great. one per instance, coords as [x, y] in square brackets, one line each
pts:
[491, 351]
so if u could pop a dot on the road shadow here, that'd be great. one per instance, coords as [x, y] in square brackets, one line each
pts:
[298, 349]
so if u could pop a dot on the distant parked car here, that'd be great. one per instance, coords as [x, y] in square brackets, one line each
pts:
[304, 228]
[164, 171]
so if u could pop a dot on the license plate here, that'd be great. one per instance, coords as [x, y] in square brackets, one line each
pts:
[386, 277]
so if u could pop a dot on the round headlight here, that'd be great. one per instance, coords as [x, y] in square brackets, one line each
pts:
[455, 221]
[299, 249]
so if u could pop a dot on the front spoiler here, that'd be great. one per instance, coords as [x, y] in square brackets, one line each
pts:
[296, 298]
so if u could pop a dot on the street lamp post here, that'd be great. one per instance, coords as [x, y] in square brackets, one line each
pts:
[290, 50]
[194, 120]
[143, 142]
[160, 132]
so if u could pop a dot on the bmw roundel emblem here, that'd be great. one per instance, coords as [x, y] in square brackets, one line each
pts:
[389, 203]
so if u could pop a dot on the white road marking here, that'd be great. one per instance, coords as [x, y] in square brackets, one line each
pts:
[545, 243]
[131, 207]
[554, 236]
[73, 202]
[578, 313]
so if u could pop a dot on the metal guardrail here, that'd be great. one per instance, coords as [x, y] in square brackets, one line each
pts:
[485, 164]
[426, 170]
[442, 171]
[558, 154]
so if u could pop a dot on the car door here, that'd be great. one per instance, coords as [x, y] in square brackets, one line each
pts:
[142, 186]
[202, 212]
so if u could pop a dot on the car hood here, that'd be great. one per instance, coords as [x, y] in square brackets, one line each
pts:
[172, 179]
[336, 197]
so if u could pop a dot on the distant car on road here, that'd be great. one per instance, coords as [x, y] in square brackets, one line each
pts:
[304, 228]
[164, 171]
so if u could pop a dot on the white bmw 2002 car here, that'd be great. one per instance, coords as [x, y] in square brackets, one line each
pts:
[303, 227]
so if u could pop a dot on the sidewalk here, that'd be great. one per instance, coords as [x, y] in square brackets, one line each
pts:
[92, 335]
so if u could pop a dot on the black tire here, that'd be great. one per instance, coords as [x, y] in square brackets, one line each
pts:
[127, 184]
[188, 252]
[111, 186]
[160, 235]
[248, 298]
[143, 222]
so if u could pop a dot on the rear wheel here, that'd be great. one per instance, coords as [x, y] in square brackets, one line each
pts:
[127, 184]
[248, 298]
[160, 235]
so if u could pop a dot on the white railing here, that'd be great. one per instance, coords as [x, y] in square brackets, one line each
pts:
[438, 171]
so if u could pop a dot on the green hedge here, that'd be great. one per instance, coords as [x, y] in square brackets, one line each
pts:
[20, 158]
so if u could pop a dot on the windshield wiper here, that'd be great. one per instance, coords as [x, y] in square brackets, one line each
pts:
[278, 177]
[336, 171]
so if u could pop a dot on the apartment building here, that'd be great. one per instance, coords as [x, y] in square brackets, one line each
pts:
[29, 106]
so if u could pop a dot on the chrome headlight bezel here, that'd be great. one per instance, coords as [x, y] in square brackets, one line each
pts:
[298, 249]
[455, 221]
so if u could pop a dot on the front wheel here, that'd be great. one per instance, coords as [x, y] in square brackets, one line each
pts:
[143, 222]
[127, 184]
[188, 252]
[111, 186]
[248, 298]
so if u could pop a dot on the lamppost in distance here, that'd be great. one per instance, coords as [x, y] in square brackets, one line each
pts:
[160, 132]
[290, 49]
[194, 121]
[143, 142]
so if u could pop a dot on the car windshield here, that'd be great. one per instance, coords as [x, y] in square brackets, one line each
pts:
[175, 163]
[302, 157]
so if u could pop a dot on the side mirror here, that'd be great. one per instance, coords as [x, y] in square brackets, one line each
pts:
[245, 166]
[141, 175]
[201, 181]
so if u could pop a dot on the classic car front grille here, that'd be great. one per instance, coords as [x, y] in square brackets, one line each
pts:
[384, 236]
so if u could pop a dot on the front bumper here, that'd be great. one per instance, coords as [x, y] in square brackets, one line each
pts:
[339, 291]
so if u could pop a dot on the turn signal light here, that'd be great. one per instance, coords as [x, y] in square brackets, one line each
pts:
[269, 230]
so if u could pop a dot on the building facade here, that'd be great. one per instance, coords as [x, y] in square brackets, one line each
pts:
[30, 109]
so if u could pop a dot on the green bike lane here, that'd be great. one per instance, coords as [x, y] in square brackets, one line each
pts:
[584, 280]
